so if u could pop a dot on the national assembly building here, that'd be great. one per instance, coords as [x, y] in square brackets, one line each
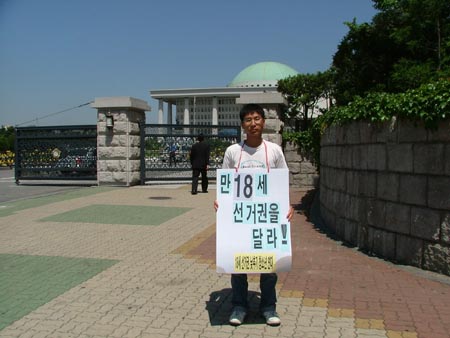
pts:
[220, 106]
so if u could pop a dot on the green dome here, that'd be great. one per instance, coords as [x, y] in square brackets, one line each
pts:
[262, 74]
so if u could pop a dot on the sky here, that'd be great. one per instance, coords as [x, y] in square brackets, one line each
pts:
[57, 55]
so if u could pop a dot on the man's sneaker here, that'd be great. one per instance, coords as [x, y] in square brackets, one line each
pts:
[271, 318]
[237, 316]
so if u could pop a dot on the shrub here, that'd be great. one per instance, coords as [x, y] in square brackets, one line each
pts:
[6, 159]
[429, 104]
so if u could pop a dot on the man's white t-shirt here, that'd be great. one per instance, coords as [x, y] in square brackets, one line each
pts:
[239, 154]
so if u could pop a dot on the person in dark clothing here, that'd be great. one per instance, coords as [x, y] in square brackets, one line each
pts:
[199, 157]
[173, 155]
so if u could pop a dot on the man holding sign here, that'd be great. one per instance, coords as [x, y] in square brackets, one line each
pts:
[253, 158]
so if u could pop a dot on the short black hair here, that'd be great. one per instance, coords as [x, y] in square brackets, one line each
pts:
[251, 108]
[200, 137]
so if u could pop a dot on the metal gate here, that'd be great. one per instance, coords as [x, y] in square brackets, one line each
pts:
[165, 156]
[56, 153]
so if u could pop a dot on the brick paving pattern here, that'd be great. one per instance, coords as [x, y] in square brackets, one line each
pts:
[31, 281]
[165, 285]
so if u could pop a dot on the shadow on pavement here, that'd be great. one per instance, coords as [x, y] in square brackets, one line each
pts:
[219, 307]
[310, 207]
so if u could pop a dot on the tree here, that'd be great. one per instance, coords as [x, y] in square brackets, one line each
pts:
[363, 61]
[7, 138]
[422, 28]
[406, 44]
[303, 92]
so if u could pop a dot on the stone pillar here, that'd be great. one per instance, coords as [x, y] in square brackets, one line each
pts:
[186, 119]
[169, 113]
[160, 111]
[186, 111]
[215, 114]
[118, 139]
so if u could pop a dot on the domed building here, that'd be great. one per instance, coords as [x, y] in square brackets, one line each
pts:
[256, 83]
[262, 74]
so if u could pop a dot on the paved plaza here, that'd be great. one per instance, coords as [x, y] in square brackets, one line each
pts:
[139, 262]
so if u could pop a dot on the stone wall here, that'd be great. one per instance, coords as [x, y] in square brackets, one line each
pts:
[385, 188]
[303, 173]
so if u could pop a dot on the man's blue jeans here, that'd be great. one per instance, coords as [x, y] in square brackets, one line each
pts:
[267, 282]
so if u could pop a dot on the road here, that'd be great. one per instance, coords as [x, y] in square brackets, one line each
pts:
[10, 191]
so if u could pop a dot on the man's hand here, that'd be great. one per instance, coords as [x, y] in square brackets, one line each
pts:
[290, 213]
[216, 205]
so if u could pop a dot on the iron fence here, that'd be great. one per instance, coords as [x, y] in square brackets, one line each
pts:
[56, 153]
[70, 152]
[165, 154]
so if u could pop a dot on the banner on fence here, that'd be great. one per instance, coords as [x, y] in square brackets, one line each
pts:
[253, 233]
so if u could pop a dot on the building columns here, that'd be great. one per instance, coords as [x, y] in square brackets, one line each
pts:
[215, 114]
[160, 111]
[186, 111]
[169, 118]
[169, 113]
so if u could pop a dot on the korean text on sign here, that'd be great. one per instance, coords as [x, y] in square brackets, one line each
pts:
[253, 234]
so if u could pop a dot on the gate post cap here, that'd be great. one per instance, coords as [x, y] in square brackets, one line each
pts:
[120, 102]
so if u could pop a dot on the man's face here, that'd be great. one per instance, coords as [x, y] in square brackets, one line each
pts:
[253, 124]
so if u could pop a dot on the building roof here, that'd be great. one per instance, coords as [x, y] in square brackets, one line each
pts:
[262, 74]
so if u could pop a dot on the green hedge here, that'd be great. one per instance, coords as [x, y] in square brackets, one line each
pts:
[429, 104]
